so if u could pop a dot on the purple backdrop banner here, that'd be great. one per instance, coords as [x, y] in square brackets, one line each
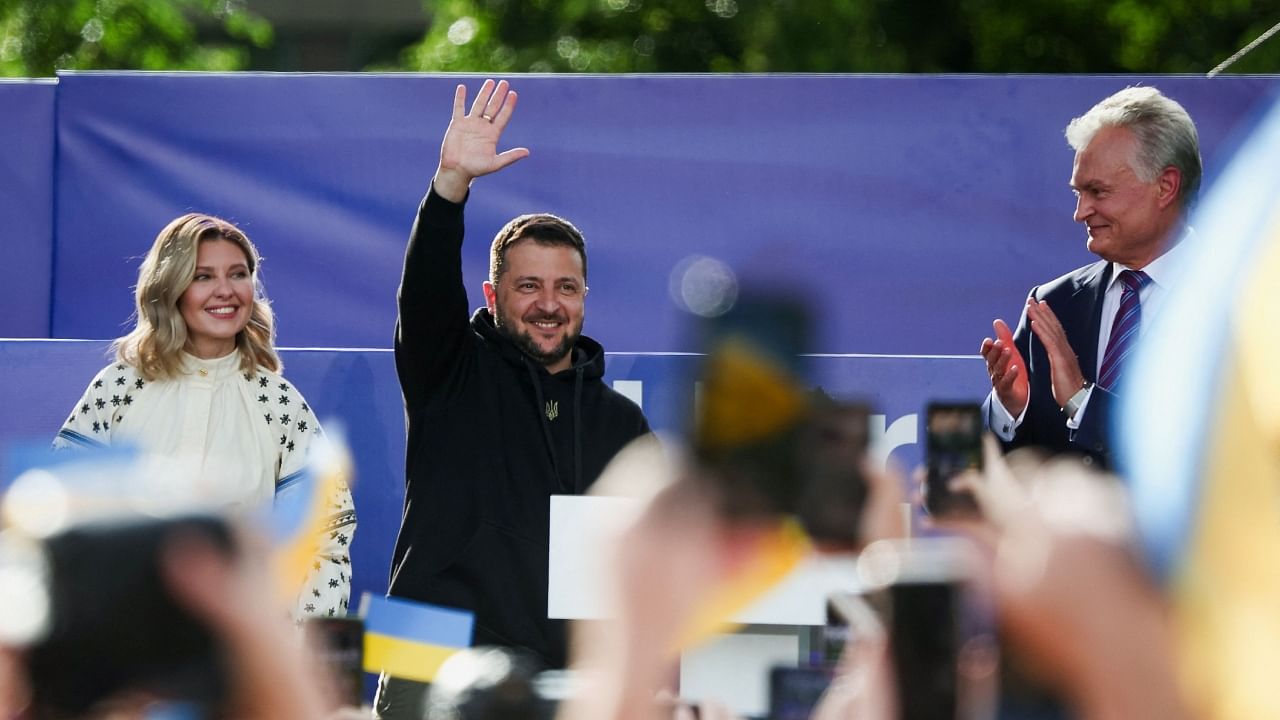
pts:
[914, 209]
[911, 210]
[26, 205]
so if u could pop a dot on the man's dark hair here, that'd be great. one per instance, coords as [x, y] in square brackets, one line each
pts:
[542, 228]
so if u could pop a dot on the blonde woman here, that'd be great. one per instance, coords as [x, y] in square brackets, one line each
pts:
[197, 383]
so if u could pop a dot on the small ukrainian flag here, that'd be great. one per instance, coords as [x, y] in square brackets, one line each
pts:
[411, 640]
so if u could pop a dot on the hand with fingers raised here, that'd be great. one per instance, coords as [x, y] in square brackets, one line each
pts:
[1064, 368]
[470, 146]
[1006, 369]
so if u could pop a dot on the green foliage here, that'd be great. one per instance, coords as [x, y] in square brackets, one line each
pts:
[39, 37]
[988, 36]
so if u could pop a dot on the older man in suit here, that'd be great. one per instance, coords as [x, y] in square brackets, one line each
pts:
[1137, 170]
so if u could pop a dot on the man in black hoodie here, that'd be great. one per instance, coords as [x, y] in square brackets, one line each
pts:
[502, 412]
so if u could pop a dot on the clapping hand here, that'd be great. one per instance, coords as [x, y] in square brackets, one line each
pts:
[1064, 367]
[1006, 368]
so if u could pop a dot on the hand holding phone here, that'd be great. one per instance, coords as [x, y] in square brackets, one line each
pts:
[953, 445]
[939, 637]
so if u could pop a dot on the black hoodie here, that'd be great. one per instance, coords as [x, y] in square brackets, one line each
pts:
[491, 436]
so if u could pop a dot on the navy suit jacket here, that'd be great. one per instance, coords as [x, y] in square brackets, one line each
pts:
[1076, 299]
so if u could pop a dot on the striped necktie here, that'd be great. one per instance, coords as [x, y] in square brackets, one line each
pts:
[1124, 331]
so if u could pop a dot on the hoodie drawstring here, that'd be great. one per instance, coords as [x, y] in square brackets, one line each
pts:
[577, 431]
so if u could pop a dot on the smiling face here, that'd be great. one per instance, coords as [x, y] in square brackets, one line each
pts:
[539, 301]
[1128, 219]
[216, 305]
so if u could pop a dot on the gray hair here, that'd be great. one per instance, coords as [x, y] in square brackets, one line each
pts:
[1166, 135]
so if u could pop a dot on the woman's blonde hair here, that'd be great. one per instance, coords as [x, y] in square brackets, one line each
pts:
[159, 336]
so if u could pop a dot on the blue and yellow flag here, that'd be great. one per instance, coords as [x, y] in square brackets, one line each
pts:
[302, 511]
[1199, 439]
[411, 640]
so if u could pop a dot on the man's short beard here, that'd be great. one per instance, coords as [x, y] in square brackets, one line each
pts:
[524, 341]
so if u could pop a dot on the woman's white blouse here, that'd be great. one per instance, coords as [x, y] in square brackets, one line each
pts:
[239, 437]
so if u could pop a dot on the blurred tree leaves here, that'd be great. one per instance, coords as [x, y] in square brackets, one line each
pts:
[39, 37]
[985, 36]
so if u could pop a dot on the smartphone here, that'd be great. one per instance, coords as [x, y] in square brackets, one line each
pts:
[924, 639]
[339, 644]
[953, 444]
[940, 641]
[794, 691]
[114, 625]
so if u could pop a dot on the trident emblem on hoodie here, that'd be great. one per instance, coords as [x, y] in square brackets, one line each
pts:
[553, 409]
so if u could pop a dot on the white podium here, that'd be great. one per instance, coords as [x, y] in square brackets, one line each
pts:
[732, 669]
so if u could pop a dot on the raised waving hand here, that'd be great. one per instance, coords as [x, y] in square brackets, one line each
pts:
[470, 146]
